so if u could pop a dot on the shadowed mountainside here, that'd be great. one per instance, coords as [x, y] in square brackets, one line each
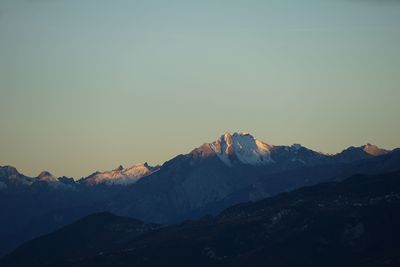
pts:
[235, 168]
[349, 223]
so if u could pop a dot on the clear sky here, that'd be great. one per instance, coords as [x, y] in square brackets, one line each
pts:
[87, 85]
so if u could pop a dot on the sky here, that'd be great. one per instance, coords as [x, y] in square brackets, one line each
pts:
[88, 85]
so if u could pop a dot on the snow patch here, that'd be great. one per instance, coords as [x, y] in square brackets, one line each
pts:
[120, 175]
[242, 146]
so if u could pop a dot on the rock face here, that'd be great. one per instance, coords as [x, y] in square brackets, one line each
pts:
[244, 149]
[233, 169]
[241, 147]
[374, 150]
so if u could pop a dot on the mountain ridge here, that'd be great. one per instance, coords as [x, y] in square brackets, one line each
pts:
[239, 147]
[187, 186]
[290, 229]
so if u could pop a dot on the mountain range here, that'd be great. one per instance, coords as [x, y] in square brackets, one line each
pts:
[236, 149]
[233, 169]
[349, 223]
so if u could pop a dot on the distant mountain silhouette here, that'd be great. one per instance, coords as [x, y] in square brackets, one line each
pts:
[350, 223]
[233, 169]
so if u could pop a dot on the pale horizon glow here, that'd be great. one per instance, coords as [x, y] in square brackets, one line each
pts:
[88, 85]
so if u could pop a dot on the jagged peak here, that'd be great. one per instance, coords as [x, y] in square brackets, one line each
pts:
[228, 135]
[368, 148]
[119, 168]
[121, 175]
[243, 138]
[373, 149]
[9, 170]
[144, 164]
[46, 176]
[242, 134]
[242, 147]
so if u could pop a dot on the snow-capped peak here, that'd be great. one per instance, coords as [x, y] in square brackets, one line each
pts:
[120, 175]
[373, 150]
[138, 170]
[243, 147]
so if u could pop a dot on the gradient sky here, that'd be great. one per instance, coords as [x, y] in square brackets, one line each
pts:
[87, 85]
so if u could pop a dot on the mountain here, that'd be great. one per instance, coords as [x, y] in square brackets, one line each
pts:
[9, 176]
[47, 177]
[349, 223]
[362, 152]
[374, 150]
[120, 175]
[233, 169]
[239, 147]
[243, 148]
[87, 238]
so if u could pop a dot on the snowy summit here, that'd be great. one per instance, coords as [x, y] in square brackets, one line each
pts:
[243, 147]
[120, 175]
